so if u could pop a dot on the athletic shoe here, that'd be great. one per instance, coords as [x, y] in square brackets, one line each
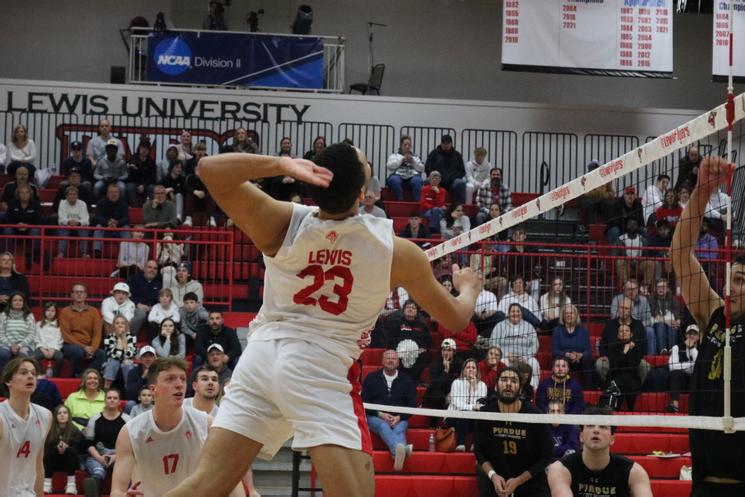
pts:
[398, 460]
[187, 221]
[71, 488]
[460, 448]
[90, 487]
[47, 485]
[409, 449]
[212, 223]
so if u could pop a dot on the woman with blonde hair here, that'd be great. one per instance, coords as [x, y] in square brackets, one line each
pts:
[88, 400]
[120, 347]
[21, 152]
[464, 395]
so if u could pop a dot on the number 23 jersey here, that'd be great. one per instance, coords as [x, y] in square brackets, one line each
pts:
[165, 459]
[328, 282]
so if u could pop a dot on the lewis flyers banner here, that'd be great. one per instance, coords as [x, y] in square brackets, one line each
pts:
[236, 59]
[599, 37]
[720, 42]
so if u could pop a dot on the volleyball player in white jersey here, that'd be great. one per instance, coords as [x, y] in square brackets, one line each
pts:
[328, 273]
[23, 431]
[159, 448]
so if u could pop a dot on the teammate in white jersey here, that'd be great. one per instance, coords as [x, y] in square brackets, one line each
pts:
[23, 430]
[328, 273]
[206, 385]
[159, 448]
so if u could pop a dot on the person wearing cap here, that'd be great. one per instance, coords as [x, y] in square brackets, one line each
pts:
[449, 162]
[109, 168]
[97, 145]
[217, 359]
[194, 316]
[432, 201]
[81, 328]
[681, 361]
[406, 170]
[184, 284]
[111, 212]
[142, 173]
[618, 212]
[119, 304]
[137, 376]
[492, 190]
[77, 160]
[217, 333]
[442, 371]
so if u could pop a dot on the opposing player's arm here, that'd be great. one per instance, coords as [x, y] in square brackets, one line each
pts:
[262, 218]
[559, 480]
[639, 482]
[125, 464]
[412, 271]
[700, 298]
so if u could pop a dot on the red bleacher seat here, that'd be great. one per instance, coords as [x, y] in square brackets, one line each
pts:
[635, 444]
[400, 209]
[237, 319]
[136, 215]
[428, 462]
[425, 486]
[66, 386]
[372, 357]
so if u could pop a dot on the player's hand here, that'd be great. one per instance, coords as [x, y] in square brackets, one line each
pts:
[498, 483]
[713, 172]
[509, 487]
[306, 171]
[465, 278]
[133, 490]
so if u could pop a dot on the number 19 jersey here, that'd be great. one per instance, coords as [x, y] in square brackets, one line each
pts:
[328, 282]
[165, 459]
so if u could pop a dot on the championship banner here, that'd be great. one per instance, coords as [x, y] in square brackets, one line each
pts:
[238, 59]
[720, 41]
[599, 37]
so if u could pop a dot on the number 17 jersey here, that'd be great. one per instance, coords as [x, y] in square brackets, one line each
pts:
[328, 282]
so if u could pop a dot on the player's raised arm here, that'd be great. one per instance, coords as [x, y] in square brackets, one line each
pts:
[700, 298]
[262, 218]
[412, 271]
[125, 465]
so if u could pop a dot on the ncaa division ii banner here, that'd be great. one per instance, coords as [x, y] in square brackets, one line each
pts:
[600, 37]
[240, 59]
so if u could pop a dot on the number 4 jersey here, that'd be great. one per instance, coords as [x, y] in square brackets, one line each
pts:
[165, 459]
[328, 282]
[21, 441]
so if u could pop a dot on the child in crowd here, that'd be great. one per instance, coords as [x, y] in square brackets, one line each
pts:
[194, 316]
[50, 339]
[144, 403]
[165, 308]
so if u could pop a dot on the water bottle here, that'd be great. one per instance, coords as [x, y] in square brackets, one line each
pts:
[50, 372]
[432, 446]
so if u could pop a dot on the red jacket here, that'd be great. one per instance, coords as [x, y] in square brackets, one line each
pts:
[488, 375]
[672, 215]
[430, 199]
[464, 339]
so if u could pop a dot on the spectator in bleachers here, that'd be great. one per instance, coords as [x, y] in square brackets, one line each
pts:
[593, 204]
[72, 212]
[74, 178]
[49, 347]
[120, 348]
[137, 377]
[449, 163]
[46, 394]
[653, 196]
[97, 145]
[477, 172]
[392, 387]
[175, 185]
[681, 361]
[159, 212]
[491, 366]
[215, 20]
[552, 302]
[145, 287]
[111, 212]
[184, 284]
[395, 302]
[561, 387]
[526, 374]
[18, 333]
[76, 160]
[198, 202]
[109, 169]
[706, 245]
[495, 210]
[101, 433]
[414, 228]
[285, 147]
[624, 358]
[641, 310]
[465, 339]
[485, 316]
[217, 333]
[133, 254]
[170, 341]
[442, 371]
[670, 210]
[432, 201]
[218, 360]
[87, 400]
[662, 237]
[688, 168]
[141, 174]
[165, 308]
[81, 327]
[11, 280]
[454, 222]
[519, 263]
[684, 194]
[492, 191]
[184, 146]
[464, 395]
[319, 144]
[634, 261]
[24, 211]
[21, 179]
[407, 332]
[716, 209]
[528, 306]
[243, 143]
[164, 165]
[665, 316]
[194, 317]
[144, 403]
[373, 185]
[405, 170]
[571, 341]
[368, 206]
[618, 213]
[62, 450]
[3, 156]
[168, 254]
[610, 336]
[566, 437]
[21, 152]
[518, 341]
[119, 304]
